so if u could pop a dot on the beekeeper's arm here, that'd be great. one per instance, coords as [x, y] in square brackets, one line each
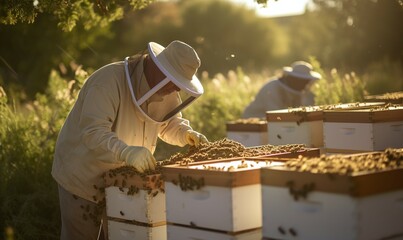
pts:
[98, 114]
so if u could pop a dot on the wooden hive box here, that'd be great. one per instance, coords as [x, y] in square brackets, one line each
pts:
[135, 198]
[293, 126]
[218, 200]
[302, 125]
[206, 195]
[363, 130]
[178, 232]
[305, 205]
[248, 132]
[124, 231]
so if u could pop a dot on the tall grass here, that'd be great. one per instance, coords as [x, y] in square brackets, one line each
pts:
[335, 88]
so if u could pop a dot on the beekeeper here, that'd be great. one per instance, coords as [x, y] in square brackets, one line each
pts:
[291, 89]
[120, 112]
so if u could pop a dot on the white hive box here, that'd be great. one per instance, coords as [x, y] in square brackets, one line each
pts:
[248, 132]
[295, 126]
[228, 201]
[363, 130]
[145, 205]
[361, 206]
[176, 232]
[124, 231]
[303, 125]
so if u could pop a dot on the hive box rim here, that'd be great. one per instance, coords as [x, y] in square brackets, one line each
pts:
[360, 184]
[246, 127]
[142, 182]
[235, 178]
[312, 113]
[364, 115]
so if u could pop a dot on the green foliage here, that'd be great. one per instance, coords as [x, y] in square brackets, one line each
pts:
[28, 133]
[224, 99]
[333, 88]
[68, 13]
[384, 76]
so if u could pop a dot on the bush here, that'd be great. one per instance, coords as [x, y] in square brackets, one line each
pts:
[28, 194]
[334, 88]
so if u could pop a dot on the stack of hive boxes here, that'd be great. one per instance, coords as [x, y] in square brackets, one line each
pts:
[313, 125]
[135, 205]
[356, 196]
[217, 199]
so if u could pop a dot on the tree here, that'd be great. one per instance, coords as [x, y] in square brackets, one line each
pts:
[363, 31]
[68, 12]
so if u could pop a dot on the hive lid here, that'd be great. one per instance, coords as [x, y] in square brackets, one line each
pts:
[313, 113]
[246, 127]
[244, 171]
[369, 115]
[234, 172]
[357, 184]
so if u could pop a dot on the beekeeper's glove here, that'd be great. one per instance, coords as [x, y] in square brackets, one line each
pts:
[195, 138]
[138, 157]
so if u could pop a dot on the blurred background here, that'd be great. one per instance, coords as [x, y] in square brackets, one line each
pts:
[48, 48]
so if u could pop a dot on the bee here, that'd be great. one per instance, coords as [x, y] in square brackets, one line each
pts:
[122, 213]
[292, 232]
[278, 136]
[281, 230]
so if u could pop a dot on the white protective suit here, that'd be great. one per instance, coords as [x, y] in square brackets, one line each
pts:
[103, 121]
[276, 95]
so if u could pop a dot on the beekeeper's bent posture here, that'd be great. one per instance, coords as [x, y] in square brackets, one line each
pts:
[292, 89]
[120, 112]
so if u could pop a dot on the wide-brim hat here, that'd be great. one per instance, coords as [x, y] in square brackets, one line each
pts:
[303, 70]
[179, 62]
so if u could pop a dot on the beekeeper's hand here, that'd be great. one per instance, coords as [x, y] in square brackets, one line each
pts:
[195, 138]
[138, 157]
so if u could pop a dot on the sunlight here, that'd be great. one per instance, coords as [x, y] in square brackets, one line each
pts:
[276, 8]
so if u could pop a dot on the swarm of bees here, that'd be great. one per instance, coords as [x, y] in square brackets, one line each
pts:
[189, 183]
[347, 165]
[226, 148]
[395, 97]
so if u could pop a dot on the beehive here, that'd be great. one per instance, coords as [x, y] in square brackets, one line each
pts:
[216, 195]
[176, 232]
[249, 132]
[361, 130]
[320, 200]
[219, 195]
[303, 125]
[135, 198]
[293, 126]
[124, 231]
